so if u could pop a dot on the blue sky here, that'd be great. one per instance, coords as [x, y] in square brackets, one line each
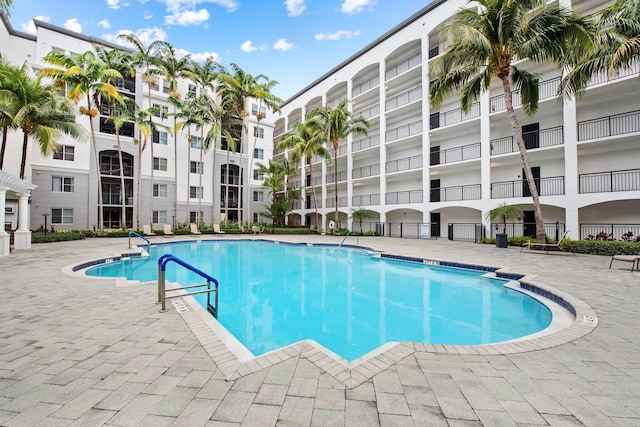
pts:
[291, 41]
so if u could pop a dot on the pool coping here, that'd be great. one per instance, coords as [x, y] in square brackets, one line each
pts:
[235, 361]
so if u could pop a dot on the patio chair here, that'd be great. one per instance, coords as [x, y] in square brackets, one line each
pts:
[256, 229]
[194, 229]
[633, 259]
[167, 230]
[216, 229]
[548, 246]
[147, 231]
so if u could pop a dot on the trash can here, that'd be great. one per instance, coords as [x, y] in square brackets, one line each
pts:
[501, 240]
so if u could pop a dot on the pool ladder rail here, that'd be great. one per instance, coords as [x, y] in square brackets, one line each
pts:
[345, 238]
[162, 290]
[133, 233]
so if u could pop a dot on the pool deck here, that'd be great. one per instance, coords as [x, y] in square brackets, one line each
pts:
[87, 352]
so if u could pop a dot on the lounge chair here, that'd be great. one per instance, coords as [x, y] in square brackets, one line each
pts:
[547, 246]
[147, 231]
[167, 230]
[194, 229]
[256, 229]
[216, 229]
[633, 259]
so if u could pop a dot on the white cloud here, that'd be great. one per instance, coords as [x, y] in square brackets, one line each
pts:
[355, 6]
[187, 17]
[180, 5]
[148, 14]
[30, 27]
[283, 44]
[72, 24]
[105, 24]
[113, 4]
[337, 35]
[198, 56]
[295, 7]
[147, 35]
[249, 47]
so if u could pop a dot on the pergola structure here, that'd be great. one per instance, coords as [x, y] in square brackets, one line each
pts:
[12, 185]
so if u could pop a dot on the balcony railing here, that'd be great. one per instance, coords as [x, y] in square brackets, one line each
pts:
[335, 101]
[546, 89]
[405, 131]
[366, 171]
[536, 139]
[342, 176]
[278, 131]
[297, 204]
[112, 111]
[403, 99]
[368, 113]
[233, 179]
[331, 202]
[552, 186]
[456, 193]
[603, 77]
[316, 180]
[364, 143]
[603, 127]
[366, 200]
[456, 154]
[434, 51]
[518, 229]
[114, 199]
[613, 231]
[127, 85]
[605, 182]
[342, 150]
[365, 86]
[451, 117]
[403, 66]
[405, 164]
[402, 197]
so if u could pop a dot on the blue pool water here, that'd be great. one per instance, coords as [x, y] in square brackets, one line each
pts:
[272, 295]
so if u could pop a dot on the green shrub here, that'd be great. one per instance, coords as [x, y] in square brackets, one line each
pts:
[57, 236]
[602, 247]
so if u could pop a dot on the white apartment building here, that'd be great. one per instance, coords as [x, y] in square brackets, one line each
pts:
[67, 185]
[424, 172]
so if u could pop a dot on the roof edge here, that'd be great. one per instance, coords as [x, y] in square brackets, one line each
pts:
[15, 32]
[90, 39]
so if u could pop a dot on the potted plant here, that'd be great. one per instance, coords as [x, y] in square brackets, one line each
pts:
[504, 213]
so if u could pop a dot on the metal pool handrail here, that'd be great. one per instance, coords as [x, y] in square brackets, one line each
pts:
[133, 233]
[345, 238]
[162, 290]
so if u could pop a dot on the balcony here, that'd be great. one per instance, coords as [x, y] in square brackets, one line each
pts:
[366, 200]
[403, 197]
[331, 202]
[456, 154]
[606, 182]
[365, 86]
[366, 171]
[233, 179]
[619, 124]
[536, 139]
[604, 76]
[434, 51]
[342, 176]
[405, 164]
[546, 89]
[113, 111]
[456, 193]
[403, 66]
[114, 199]
[404, 131]
[403, 99]
[373, 111]
[126, 85]
[451, 117]
[364, 143]
[552, 186]
[342, 150]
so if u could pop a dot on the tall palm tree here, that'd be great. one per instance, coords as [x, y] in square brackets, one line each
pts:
[10, 106]
[274, 175]
[40, 112]
[336, 124]
[86, 76]
[305, 141]
[239, 86]
[5, 7]
[484, 43]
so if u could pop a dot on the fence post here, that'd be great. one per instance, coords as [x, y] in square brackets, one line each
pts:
[557, 231]
[450, 231]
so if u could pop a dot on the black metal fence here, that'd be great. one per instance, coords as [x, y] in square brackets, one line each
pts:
[609, 231]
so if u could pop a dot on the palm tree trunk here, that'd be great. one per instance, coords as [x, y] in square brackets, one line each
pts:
[313, 189]
[517, 130]
[97, 160]
[226, 197]
[335, 180]
[201, 165]
[123, 214]
[139, 181]
[151, 187]
[5, 131]
[188, 173]
[23, 162]
[175, 163]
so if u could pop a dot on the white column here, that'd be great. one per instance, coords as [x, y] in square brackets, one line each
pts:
[4, 236]
[22, 236]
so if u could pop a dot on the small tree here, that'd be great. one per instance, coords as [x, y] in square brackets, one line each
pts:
[361, 214]
[505, 213]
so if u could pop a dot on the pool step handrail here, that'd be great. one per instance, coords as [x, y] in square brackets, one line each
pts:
[345, 238]
[133, 233]
[162, 290]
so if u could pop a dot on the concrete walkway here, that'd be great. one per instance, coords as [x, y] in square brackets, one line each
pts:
[83, 351]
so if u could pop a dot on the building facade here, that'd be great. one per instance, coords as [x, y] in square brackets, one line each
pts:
[67, 193]
[424, 172]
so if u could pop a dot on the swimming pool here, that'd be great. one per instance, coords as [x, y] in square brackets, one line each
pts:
[348, 300]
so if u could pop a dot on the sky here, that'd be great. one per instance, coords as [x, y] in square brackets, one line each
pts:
[290, 41]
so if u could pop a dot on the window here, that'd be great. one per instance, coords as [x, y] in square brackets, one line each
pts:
[255, 217]
[62, 184]
[159, 190]
[195, 216]
[64, 152]
[159, 138]
[257, 176]
[258, 132]
[258, 153]
[258, 196]
[254, 110]
[165, 86]
[161, 111]
[61, 216]
[195, 192]
[154, 85]
[159, 217]
[159, 164]
[192, 89]
[197, 167]
[196, 142]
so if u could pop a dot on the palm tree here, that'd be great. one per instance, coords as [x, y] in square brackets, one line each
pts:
[505, 213]
[5, 7]
[39, 111]
[336, 124]
[9, 108]
[361, 214]
[305, 141]
[484, 43]
[274, 174]
[84, 75]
